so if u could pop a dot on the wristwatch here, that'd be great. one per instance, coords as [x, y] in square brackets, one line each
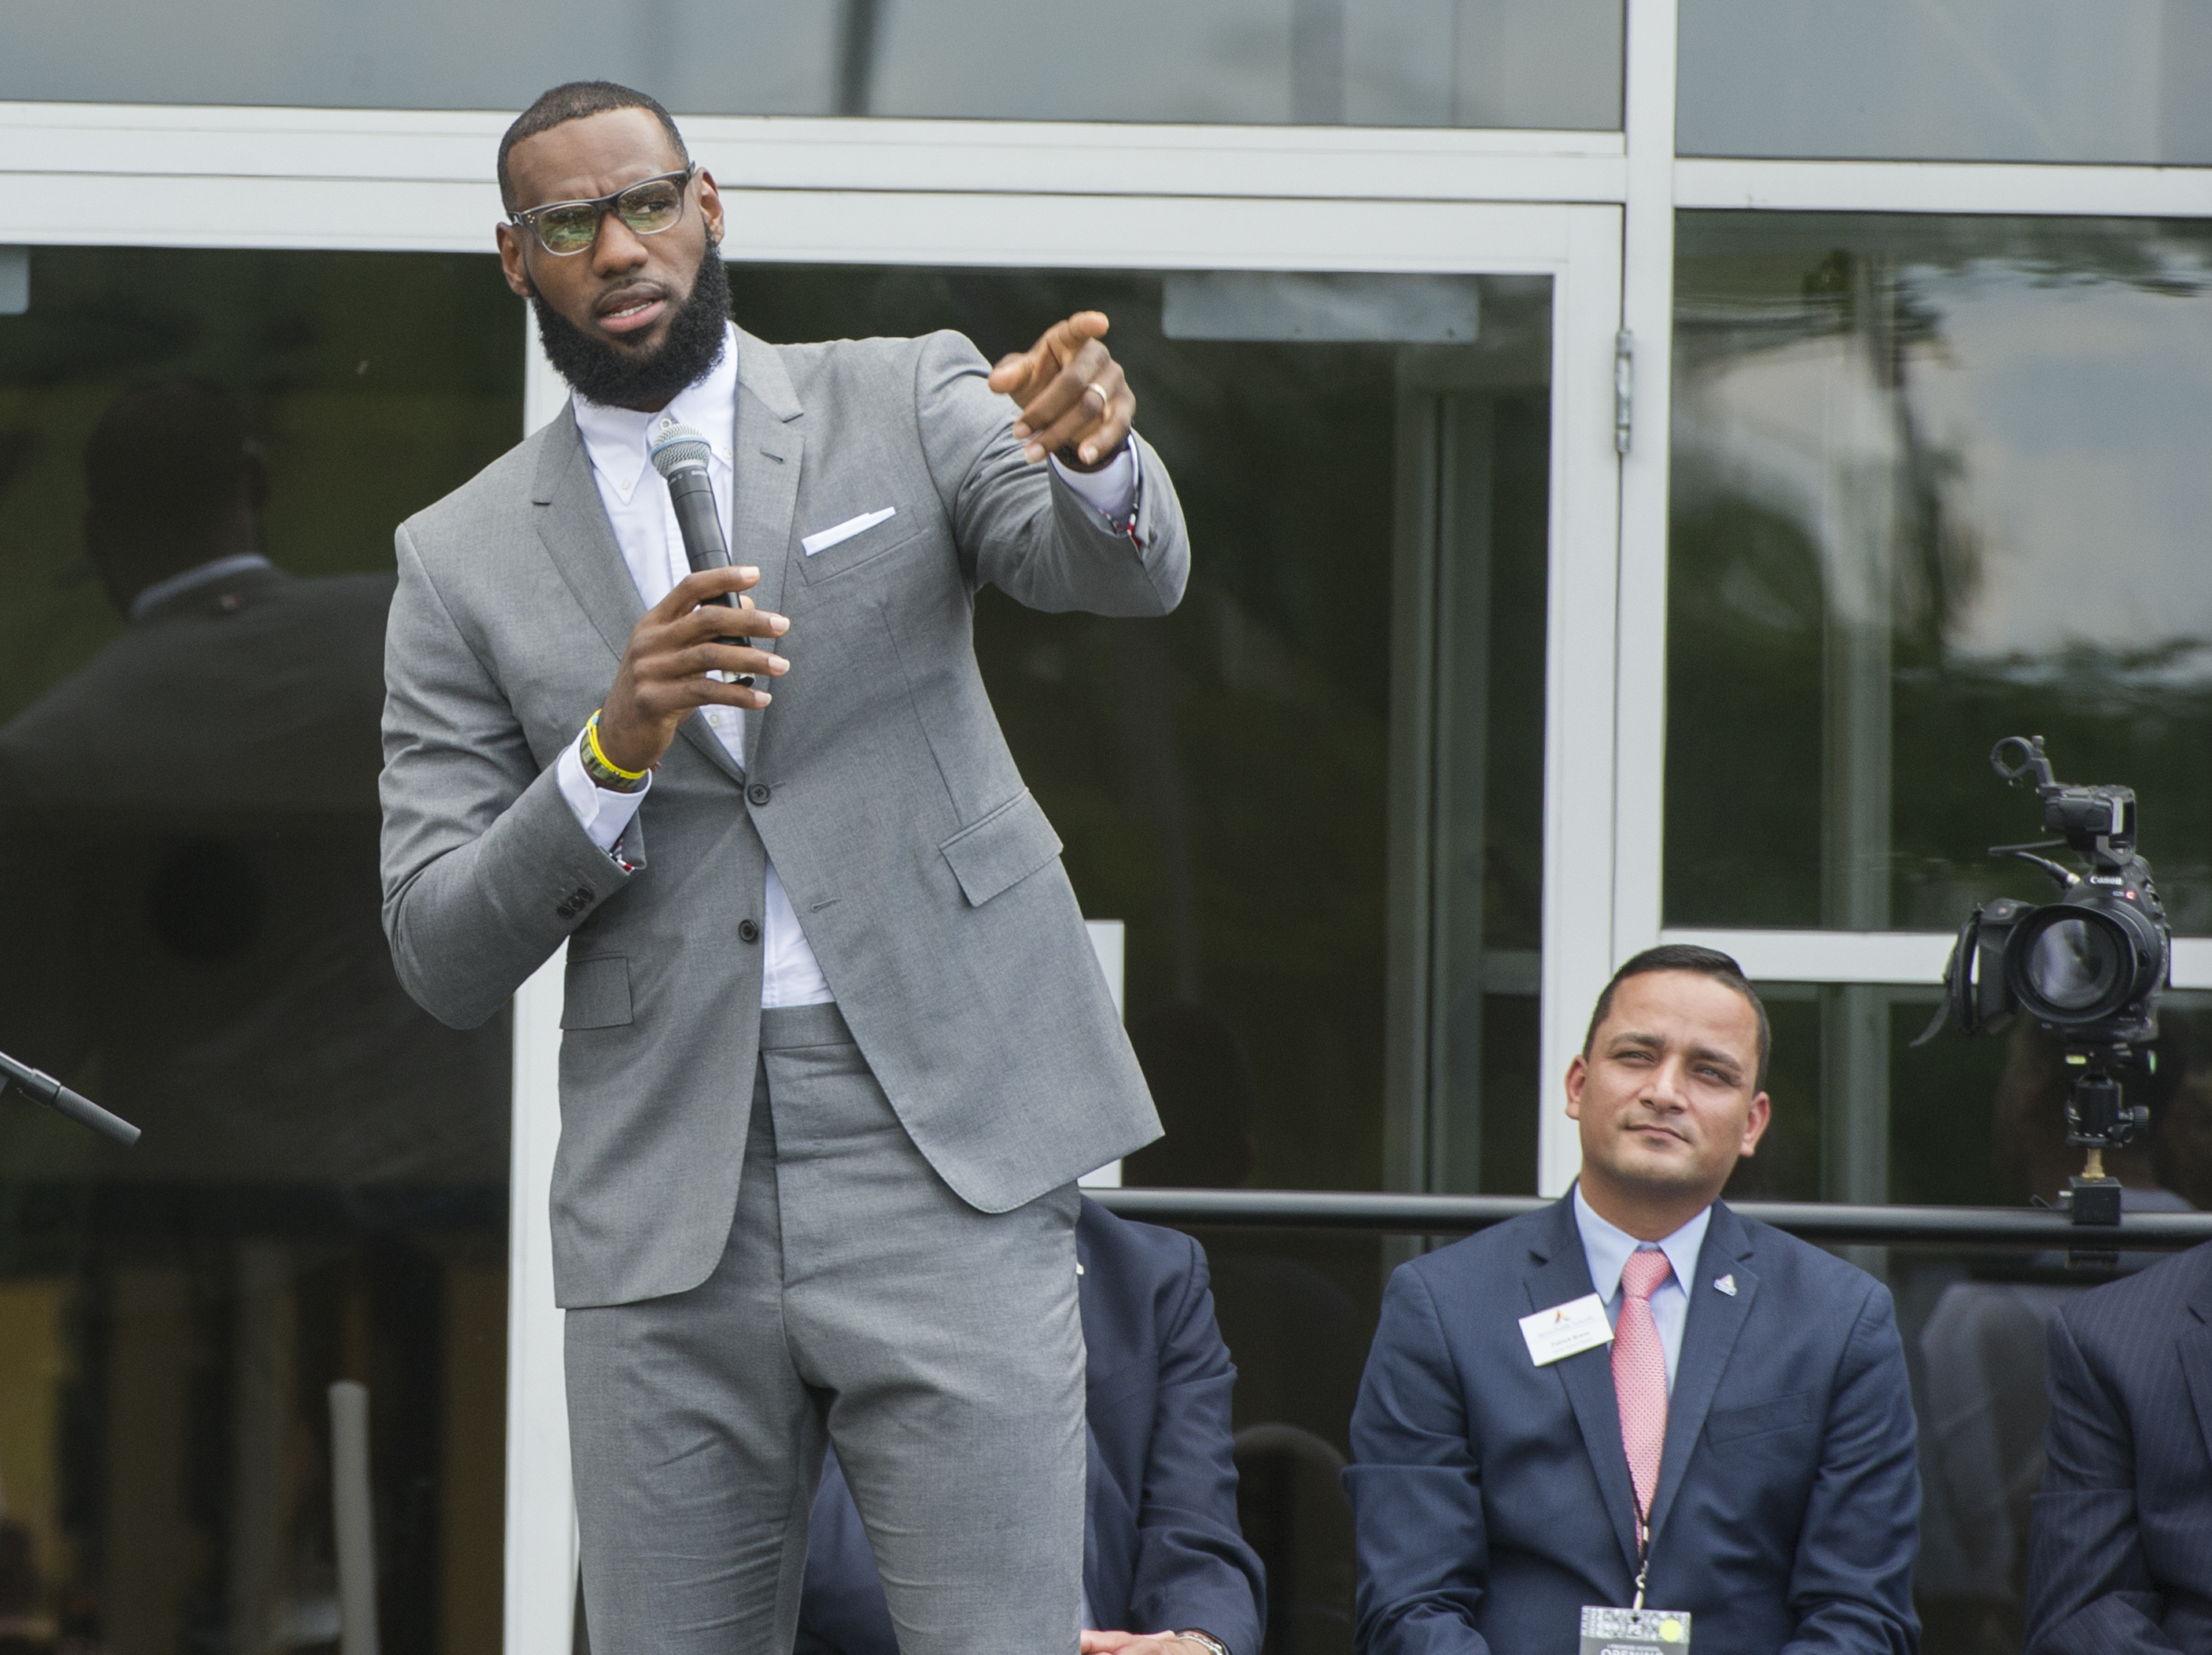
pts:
[1213, 1645]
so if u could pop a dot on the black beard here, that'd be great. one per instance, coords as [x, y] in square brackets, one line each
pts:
[614, 378]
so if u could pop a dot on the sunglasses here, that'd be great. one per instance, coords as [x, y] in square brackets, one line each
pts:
[649, 206]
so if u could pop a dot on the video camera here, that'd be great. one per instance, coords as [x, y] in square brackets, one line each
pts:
[2088, 968]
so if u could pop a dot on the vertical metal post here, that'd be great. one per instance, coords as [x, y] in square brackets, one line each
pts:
[1864, 522]
[353, 1518]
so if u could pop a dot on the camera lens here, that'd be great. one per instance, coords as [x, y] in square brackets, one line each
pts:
[2073, 965]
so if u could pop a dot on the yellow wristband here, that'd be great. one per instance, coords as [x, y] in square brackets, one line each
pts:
[592, 735]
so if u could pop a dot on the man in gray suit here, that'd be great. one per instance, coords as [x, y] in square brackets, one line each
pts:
[835, 1044]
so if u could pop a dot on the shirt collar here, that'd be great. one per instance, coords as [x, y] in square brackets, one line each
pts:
[617, 439]
[221, 568]
[1606, 1246]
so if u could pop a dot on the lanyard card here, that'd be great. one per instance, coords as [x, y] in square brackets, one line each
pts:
[1634, 1631]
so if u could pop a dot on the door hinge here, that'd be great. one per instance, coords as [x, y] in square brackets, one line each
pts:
[1624, 389]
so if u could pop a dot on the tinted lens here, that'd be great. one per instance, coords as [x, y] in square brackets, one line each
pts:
[654, 205]
[2073, 965]
[567, 230]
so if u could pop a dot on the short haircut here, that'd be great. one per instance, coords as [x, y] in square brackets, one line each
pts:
[1703, 961]
[163, 465]
[571, 101]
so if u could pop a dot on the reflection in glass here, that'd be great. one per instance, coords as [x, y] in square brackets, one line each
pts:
[1936, 482]
[1553, 65]
[1975, 1327]
[1962, 80]
[1314, 793]
[1978, 1120]
[205, 456]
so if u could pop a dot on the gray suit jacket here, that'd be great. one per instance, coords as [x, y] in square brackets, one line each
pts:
[926, 877]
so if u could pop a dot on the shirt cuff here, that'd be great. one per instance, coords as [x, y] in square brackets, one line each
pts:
[602, 812]
[1111, 490]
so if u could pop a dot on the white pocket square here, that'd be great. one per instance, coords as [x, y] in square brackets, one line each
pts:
[823, 540]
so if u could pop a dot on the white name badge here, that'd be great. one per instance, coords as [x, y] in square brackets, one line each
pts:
[1634, 1631]
[1564, 1329]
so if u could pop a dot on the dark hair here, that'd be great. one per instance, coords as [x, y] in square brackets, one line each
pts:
[573, 101]
[163, 464]
[1703, 962]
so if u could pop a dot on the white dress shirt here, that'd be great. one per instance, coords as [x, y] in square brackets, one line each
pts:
[643, 518]
[1605, 1247]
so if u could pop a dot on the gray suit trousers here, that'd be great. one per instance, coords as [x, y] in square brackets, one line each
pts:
[939, 1347]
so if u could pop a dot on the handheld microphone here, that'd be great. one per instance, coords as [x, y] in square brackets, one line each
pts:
[679, 454]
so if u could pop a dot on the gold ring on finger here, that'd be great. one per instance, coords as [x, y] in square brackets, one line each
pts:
[1105, 401]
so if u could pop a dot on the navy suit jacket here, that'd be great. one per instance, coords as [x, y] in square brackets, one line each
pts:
[1162, 1551]
[2120, 1537]
[1492, 1497]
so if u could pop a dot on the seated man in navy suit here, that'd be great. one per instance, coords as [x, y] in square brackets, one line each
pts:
[1162, 1556]
[1636, 1398]
[2120, 1535]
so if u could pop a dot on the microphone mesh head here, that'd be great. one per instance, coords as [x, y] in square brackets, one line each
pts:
[678, 447]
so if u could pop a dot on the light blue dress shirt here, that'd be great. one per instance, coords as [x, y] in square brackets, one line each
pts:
[1607, 1247]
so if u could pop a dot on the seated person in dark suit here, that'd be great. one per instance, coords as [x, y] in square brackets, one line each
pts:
[2120, 1535]
[1637, 1381]
[190, 821]
[1163, 1555]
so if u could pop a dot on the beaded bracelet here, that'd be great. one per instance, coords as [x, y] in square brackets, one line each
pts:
[603, 771]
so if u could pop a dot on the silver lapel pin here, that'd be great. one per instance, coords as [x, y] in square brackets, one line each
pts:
[1727, 1285]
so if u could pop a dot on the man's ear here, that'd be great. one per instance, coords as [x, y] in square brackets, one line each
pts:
[513, 265]
[1755, 1124]
[710, 206]
[254, 478]
[1577, 1078]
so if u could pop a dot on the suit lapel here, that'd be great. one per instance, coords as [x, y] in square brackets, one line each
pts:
[2195, 1350]
[573, 525]
[766, 449]
[1709, 1335]
[571, 522]
[1588, 1375]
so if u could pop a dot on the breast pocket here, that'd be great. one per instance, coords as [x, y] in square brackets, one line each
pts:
[598, 993]
[1727, 1425]
[1002, 849]
[851, 549]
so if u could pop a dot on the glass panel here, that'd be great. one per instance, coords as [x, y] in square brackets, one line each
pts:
[188, 828]
[1861, 1114]
[1936, 482]
[1975, 1326]
[1966, 80]
[1547, 64]
[1253, 783]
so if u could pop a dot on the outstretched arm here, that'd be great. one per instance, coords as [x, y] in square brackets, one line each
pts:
[1020, 525]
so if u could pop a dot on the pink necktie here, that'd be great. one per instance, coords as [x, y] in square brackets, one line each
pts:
[1639, 1373]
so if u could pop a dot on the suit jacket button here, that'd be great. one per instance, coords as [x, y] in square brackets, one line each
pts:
[757, 793]
[746, 930]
